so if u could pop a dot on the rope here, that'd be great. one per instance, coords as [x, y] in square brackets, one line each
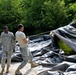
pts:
[39, 34]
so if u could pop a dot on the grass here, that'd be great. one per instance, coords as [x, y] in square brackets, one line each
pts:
[66, 48]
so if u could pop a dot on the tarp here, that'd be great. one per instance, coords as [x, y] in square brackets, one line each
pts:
[67, 34]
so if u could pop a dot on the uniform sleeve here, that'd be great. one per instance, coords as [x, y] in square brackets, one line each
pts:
[1, 39]
[13, 41]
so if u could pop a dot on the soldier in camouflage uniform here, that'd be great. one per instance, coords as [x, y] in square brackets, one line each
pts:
[7, 41]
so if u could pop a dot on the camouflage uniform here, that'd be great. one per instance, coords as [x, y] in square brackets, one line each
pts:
[7, 41]
[26, 55]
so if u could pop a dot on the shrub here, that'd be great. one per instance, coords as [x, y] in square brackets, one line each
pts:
[66, 48]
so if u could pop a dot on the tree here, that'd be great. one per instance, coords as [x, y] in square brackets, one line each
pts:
[9, 13]
[44, 15]
[36, 15]
[70, 6]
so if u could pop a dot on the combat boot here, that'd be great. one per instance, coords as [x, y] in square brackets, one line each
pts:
[34, 65]
[7, 70]
[2, 71]
[18, 72]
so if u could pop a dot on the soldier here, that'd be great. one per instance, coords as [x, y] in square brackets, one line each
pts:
[26, 54]
[7, 41]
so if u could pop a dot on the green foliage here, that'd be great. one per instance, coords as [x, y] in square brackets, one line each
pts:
[70, 6]
[9, 13]
[37, 15]
[66, 48]
[44, 15]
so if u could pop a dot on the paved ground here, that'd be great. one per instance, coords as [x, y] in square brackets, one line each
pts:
[26, 70]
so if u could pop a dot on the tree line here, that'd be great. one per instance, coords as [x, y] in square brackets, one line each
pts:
[36, 15]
